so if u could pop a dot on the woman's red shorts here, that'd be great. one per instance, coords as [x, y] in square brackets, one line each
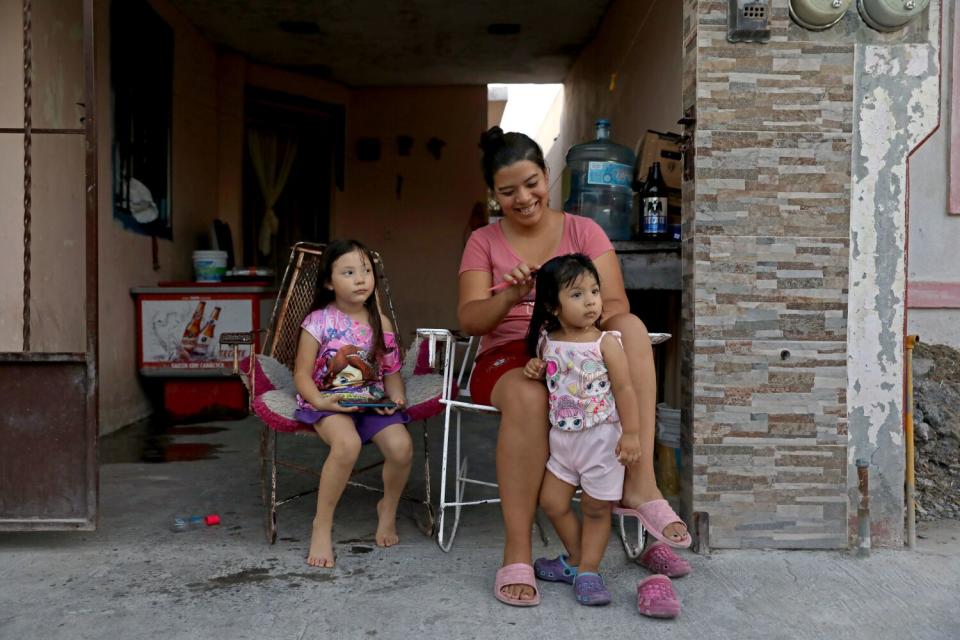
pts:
[491, 365]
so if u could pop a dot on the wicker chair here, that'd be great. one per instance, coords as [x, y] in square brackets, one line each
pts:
[269, 380]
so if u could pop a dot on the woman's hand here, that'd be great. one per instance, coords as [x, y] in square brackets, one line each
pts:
[521, 279]
[628, 449]
[399, 400]
[535, 369]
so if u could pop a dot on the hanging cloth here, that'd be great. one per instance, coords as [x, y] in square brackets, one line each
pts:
[272, 161]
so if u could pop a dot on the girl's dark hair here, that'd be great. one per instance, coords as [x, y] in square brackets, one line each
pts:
[324, 296]
[503, 149]
[555, 275]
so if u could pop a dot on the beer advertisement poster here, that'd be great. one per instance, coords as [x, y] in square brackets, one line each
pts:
[185, 334]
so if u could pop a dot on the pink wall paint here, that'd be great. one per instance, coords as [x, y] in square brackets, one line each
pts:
[420, 233]
[934, 295]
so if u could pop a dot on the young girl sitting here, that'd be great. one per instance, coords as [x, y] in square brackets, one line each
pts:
[590, 397]
[348, 353]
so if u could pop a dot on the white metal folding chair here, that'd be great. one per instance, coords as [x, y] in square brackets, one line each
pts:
[456, 400]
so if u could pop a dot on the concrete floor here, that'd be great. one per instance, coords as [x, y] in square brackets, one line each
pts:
[134, 578]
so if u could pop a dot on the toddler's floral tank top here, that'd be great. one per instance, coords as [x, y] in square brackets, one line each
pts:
[580, 393]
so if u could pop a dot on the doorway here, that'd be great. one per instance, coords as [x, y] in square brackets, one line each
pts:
[309, 136]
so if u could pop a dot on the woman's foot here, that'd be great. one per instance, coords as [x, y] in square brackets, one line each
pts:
[321, 546]
[515, 575]
[675, 531]
[386, 535]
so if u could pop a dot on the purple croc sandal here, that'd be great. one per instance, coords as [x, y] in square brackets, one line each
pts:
[590, 590]
[556, 570]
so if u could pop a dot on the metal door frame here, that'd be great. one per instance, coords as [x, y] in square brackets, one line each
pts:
[87, 360]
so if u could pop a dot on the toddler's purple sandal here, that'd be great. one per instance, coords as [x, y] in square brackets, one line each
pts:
[556, 570]
[590, 590]
[656, 598]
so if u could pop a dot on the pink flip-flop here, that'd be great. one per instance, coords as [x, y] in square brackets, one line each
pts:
[655, 516]
[661, 559]
[517, 573]
[656, 598]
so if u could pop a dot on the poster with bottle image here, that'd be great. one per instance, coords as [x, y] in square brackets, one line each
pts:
[185, 333]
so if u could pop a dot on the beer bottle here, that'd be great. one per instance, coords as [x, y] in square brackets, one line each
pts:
[653, 203]
[206, 336]
[192, 332]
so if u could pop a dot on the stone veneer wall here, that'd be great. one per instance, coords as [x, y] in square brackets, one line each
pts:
[766, 269]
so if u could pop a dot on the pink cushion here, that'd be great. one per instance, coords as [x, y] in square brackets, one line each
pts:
[275, 401]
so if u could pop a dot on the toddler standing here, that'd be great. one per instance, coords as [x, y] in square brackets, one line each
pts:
[594, 418]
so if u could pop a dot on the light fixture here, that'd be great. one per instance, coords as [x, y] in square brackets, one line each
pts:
[890, 15]
[817, 15]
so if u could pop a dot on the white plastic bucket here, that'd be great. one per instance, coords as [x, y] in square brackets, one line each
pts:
[668, 426]
[209, 266]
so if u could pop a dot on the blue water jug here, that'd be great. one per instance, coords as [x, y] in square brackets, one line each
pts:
[600, 178]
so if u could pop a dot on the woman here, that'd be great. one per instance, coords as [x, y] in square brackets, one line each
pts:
[508, 254]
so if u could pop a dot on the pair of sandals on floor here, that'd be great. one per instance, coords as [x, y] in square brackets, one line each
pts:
[655, 595]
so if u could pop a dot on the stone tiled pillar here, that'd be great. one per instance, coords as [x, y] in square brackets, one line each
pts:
[768, 256]
[771, 279]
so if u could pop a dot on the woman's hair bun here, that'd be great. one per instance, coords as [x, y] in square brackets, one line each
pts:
[491, 139]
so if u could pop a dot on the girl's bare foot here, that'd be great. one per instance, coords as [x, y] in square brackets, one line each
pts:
[321, 546]
[386, 535]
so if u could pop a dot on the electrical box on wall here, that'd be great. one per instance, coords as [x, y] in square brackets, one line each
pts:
[818, 15]
[748, 21]
[890, 15]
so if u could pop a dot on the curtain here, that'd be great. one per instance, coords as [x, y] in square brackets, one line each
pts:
[272, 161]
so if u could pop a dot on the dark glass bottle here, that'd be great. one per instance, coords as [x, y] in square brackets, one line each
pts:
[653, 204]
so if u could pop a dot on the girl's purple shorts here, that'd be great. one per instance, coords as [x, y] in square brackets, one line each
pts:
[368, 423]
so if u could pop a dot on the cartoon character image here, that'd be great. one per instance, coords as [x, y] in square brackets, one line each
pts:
[595, 388]
[349, 372]
[567, 415]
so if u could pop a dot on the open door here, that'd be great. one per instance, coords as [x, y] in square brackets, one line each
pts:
[48, 388]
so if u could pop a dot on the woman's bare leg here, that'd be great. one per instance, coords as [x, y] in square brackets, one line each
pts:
[340, 434]
[522, 448]
[640, 484]
[396, 446]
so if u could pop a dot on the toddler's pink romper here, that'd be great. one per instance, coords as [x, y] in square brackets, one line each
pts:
[585, 425]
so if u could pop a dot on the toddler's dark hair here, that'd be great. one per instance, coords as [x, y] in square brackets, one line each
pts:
[503, 149]
[324, 296]
[555, 275]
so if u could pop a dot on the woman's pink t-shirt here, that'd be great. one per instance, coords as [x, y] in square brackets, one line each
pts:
[488, 250]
